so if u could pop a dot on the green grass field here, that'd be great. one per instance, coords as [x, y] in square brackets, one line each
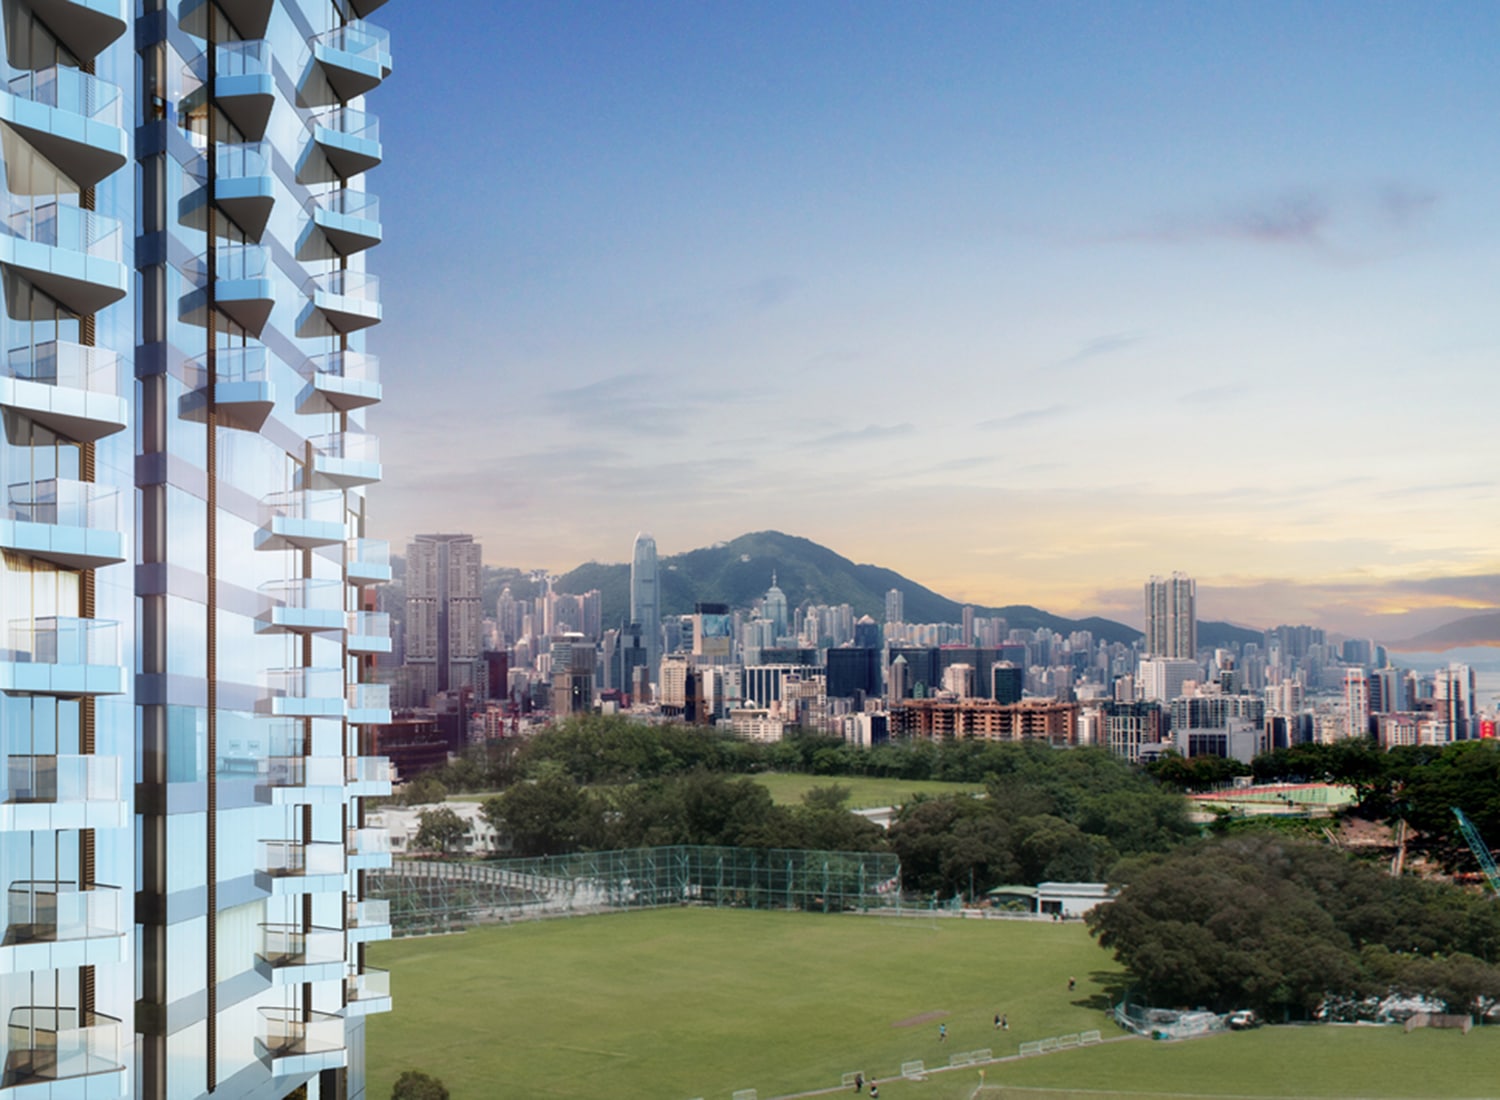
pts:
[686, 1003]
[689, 1002]
[787, 788]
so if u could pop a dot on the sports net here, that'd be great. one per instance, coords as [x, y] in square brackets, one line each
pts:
[438, 896]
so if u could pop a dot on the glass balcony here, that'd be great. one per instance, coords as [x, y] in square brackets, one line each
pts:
[368, 848]
[67, 388]
[301, 519]
[73, 256]
[367, 561]
[294, 1041]
[57, 655]
[341, 381]
[345, 142]
[345, 301]
[369, 704]
[85, 27]
[348, 61]
[243, 184]
[368, 991]
[237, 380]
[367, 920]
[75, 524]
[243, 289]
[368, 632]
[47, 792]
[293, 867]
[302, 606]
[348, 220]
[369, 776]
[48, 1044]
[302, 693]
[245, 89]
[292, 955]
[59, 912]
[345, 459]
[72, 118]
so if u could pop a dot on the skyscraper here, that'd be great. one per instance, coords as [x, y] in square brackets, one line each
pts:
[894, 613]
[184, 390]
[444, 618]
[645, 598]
[1171, 617]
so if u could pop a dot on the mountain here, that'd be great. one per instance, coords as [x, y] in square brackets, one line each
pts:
[739, 572]
[1471, 630]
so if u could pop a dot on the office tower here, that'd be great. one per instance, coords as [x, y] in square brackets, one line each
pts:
[1453, 701]
[1160, 680]
[1356, 703]
[966, 629]
[645, 597]
[444, 619]
[573, 662]
[182, 827]
[894, 613]
[713, 634]
[1007, 682]
[851, 671]
[1171, 617]
[773, 608]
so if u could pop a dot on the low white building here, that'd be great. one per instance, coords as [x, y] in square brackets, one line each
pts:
[1071, 899]
[401, 823]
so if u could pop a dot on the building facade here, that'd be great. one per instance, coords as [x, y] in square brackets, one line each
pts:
[444, 616]
[185, 686]
[1172, 617]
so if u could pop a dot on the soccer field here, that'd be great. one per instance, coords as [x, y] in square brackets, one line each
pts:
[674, 1004]
[701, 1002]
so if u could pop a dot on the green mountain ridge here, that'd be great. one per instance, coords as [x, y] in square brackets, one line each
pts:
[738, 573]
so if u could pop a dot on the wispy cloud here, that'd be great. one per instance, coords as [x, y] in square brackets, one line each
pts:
[767, 292]
[1213, 395]
[1401, 205]
[870, 433]
[633, 403]
[1100, 345]
[1022, 418]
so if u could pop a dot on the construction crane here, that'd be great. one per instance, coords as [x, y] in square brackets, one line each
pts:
[1480, 849]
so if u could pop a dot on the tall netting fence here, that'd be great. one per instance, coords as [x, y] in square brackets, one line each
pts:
[435, 896]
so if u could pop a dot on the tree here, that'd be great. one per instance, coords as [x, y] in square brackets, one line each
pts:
[424, 790]
[548, 816]
[438, 829]
[414, 1085]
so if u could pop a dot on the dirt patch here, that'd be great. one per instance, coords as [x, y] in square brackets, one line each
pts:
[921, 1018]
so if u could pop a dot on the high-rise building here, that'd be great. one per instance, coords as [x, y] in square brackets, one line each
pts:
[1171, 617]
[773, 608]
[894, 612]
[645, 597]
[444, 617]
[186, 706]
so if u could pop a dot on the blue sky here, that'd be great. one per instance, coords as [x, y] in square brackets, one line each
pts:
[1027, 301]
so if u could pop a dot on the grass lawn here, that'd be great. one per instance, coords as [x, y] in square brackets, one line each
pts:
[788, 788]
[699, 1002]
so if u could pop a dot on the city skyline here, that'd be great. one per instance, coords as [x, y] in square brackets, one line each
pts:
[1025, 303]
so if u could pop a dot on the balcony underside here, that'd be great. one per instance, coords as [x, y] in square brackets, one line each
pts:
[84, 28]
[243, 406]
[66, 681]
[84, 149]
[247, 202]
[246, 302]
[78, 415]
[81, 284]
[332, 156]
[335, 393]
[337, 76]
[250, 17]
[337, 314]
[69, 547]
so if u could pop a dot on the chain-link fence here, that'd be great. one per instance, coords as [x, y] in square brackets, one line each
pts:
[435, 896]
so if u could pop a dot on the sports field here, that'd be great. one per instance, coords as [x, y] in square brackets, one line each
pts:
[686, 1003]
[787, 788]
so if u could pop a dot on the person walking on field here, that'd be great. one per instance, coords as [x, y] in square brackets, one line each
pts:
[1071, 985]
[942, 1033]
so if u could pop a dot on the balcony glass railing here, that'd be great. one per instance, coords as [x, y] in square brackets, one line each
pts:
[303, 771]
[361, 39]
[368, 842]
[303, 683]
[53, 912]
[350, 204]
[306, 593]
[231, 365]
[368, 985]
[66, 365]
[370, 769]
[353, 446]
[232, 262]
[60, 502]
[359, 286]
[290, 1031]
[369, 697]
[54, 1044]
[369, 624]
[347, 122]
[290, 945]
[245, 58]
[67, 227]
[356, 366]
[368, 913]
[74, 91]
[370, 553]
[236, 161]
[58, 640]
[54, 778]
[312, 505]
[292, 858]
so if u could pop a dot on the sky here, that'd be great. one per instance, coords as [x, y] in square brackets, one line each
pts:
[1027, 301]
